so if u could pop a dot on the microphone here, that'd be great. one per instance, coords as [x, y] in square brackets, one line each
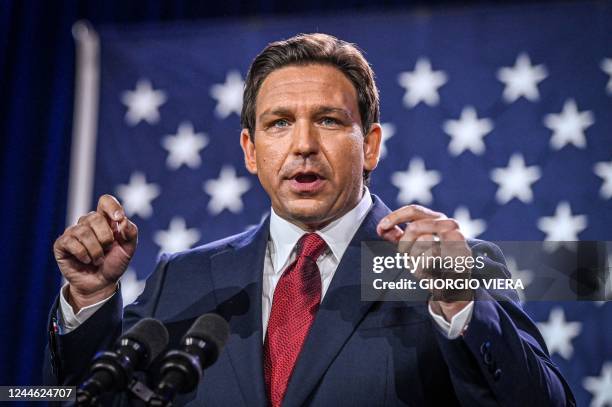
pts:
[134, 350]
[181, 370]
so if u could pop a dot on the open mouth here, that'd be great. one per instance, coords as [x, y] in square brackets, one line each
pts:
[306, 178]
[306, 182]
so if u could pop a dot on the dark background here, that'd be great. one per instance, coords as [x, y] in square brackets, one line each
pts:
[37, 64]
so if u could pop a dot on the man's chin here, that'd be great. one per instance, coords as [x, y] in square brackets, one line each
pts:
[306, 211]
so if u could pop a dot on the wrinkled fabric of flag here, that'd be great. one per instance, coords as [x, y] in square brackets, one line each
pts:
[498, 116]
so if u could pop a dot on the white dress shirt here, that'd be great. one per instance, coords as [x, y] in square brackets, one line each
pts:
[280, 254]
[284, 236]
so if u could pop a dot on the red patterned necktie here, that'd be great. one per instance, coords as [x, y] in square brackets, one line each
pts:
[295, 303]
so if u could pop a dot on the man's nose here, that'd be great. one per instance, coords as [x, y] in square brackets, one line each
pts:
[305, 139]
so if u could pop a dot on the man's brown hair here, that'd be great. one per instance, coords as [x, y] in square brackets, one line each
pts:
[305, 49]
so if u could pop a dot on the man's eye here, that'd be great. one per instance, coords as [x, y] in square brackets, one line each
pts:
[280, 123]
[329, 121]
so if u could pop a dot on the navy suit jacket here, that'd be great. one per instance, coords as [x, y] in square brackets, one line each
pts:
[357, 353]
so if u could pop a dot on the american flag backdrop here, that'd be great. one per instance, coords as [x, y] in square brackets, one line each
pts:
[498, 116]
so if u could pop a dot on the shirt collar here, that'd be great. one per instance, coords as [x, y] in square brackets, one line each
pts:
[338, 234]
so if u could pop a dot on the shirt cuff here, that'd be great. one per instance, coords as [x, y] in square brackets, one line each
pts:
[458, 324]
[69, 321]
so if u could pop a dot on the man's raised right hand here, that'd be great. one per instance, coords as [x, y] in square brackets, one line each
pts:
[93, 254]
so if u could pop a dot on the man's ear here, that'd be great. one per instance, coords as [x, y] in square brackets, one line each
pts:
[248, 148]
[371, 147]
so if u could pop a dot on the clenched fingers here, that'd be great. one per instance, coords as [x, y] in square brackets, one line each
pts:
[87, 237]
[100, 226]
[69, 246]
[389, 225]
[429, 227]
[407, 214]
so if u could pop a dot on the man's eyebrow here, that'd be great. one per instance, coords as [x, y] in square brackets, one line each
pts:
[330, 109]
[318, 110]
[277, 111]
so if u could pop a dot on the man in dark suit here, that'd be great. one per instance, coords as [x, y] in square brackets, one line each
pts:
[290, 288]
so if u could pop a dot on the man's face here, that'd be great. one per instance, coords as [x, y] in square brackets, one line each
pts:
[309, 150]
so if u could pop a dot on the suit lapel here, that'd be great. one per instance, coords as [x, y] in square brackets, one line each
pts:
[339, 314]
[237, 276]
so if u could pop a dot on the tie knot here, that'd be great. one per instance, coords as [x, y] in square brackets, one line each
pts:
[311, 245]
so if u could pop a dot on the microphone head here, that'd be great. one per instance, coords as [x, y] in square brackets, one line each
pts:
[151, 334]
[211, 328]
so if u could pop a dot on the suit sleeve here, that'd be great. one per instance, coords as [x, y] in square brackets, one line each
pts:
[502, 359]
[68, 356]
